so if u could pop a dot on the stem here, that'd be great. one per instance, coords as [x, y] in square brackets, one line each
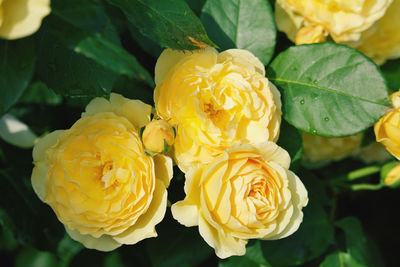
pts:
[356, 187]
[357, 174]
[360, 173]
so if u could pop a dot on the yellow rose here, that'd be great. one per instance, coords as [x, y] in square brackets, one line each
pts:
[247, 192]
[20, 18]
[216, 100]
[98, 179]
[387, 129]
[382, 42]
[158, 136]
[344, 20]
[320, 149]
[392, 179]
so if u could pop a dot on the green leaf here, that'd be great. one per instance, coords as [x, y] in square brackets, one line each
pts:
[113, 57]
[355, 239]
[17, 63]
[340, 259]
[33, 222]
[145, 43]
[67, 249]
[314, 235]
[244, 24]
[35, 258]
[359, 249]
[170, 23]
[177, 245]
[71, 74]
[356, 242]
[101, 44]
[39, 93]
[196, 5]
[7, 229]
[391, 71]
[290, 139]
[329, 89]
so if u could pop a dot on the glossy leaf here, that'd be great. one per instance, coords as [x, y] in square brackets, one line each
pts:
[244, 24]
[329, 89]
[71, 74]
[17, 63]
[171, 23]
[358, 252]
[356, 242]
[39, 93]
[98, 42]
[340, 259]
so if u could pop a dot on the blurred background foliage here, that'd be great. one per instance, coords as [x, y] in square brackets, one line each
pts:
[86, 49]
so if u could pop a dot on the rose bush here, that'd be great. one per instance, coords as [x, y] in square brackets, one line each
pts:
[247, 192]
[97, 178]
[216, 100]
[20, 18]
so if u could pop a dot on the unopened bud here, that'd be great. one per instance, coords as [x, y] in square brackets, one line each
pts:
[392, 178]
[158, 136]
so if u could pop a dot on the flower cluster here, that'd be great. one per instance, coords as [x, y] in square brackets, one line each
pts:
[370, 26]
[106, 177]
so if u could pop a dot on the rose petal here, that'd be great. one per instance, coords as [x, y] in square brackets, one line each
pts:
[145, 225]
[185, 213]
[103, 243]
[163, 168]
[22, 17]
[225, 245]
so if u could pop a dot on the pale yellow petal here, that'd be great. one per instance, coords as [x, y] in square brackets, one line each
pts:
[287, 21]
[39, 151]
[244, 55]
[145, 225]
[185, 213]
[103, 243]
[224, 244]
[272, 152]
[22, 17]
[164, 168]
[15, 132]
[299, 200]
[137, 112]
[39, 179]
[166, 61]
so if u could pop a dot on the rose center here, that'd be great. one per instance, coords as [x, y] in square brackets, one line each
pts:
[108, 176]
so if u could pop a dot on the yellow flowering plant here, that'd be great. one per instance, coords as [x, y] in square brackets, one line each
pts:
[191, 133]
